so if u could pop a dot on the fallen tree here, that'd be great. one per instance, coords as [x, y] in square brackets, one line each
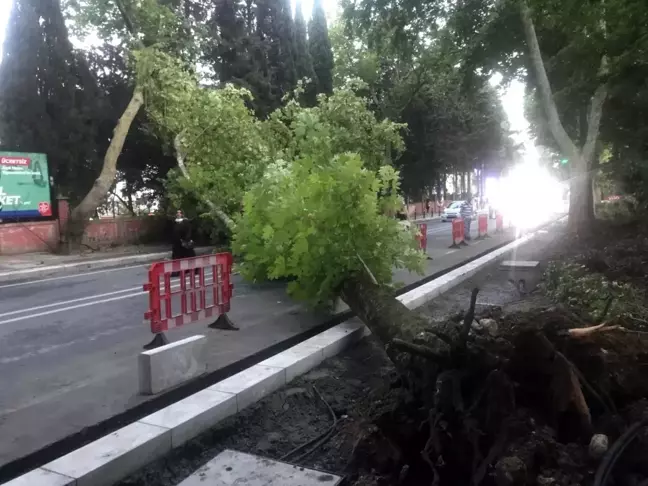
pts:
[479, 409]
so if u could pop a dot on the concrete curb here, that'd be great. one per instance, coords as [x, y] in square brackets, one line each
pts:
[115, 456]
[78, 267]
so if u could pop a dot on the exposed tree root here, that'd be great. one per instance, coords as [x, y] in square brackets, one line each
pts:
[512, 409]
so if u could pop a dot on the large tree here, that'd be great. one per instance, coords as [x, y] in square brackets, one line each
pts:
[320, 48]
[48, 97]
[455, 122]
[576, 58]
[303, 59]
[276, 28]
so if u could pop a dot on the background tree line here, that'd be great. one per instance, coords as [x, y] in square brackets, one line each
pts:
[65, 102]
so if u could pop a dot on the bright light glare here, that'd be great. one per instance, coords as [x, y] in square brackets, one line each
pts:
[528, 196]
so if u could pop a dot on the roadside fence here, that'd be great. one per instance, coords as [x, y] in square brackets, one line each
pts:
[499, 223]
[458, 236]
[482, 226]
[422, 237]
[188, 290]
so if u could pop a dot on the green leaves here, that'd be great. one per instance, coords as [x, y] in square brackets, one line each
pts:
[585, 291]
[316, 221]
[222, 143]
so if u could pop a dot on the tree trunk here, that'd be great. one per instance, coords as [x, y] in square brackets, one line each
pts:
[222, 215]
[101, 187]
[581, 208]
[581, 211]
[399, 329]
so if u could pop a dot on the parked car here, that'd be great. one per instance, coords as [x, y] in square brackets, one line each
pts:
[451, 212]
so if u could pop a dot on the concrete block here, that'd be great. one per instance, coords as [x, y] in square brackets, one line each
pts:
[232, 467]
[334, 340]
[171, 365]
[520, 263]
[41, 477]
[252, 384]
[193, 415]
[113, 457]
[297, 360]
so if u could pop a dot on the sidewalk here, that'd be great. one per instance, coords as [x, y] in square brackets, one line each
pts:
[422, 219]
[40, 264]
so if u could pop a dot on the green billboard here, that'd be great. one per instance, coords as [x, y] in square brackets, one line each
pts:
[24, 186]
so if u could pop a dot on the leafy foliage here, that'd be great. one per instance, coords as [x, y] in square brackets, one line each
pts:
[455, 122]
[339, 123]
[621, 212]
[219, 138]
[320, 221]
[578, 288]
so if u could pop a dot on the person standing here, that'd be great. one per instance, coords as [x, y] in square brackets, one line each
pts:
[183, 245]
[467, 215]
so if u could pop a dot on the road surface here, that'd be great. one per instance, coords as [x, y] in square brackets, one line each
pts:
[69, 344]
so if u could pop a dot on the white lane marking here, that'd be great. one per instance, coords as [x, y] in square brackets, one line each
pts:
[438, 230]
[58, 304]
[76, 275]
[78, 306]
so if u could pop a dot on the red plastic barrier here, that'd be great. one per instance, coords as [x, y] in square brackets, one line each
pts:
[203, 290]
[499, 223]
[422, 236]
[458, 237]
[482, 226]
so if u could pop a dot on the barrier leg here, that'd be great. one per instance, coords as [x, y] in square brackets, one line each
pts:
[223, 322]
[158, 340]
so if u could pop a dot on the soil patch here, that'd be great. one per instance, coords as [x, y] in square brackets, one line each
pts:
[356, 385]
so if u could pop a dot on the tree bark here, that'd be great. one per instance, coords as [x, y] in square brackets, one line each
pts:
[392, 322]
[222, 215]
[101, 187]
[581, 210]
[555, 125]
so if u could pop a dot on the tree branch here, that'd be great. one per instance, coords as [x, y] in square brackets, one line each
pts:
[177, 145]
[125, 203]
[564, 141]
[594, 122]
[130, 27]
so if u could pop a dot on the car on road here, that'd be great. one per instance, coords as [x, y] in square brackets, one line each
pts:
[451, 212]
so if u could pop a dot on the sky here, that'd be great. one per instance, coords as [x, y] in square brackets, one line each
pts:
[512, 99]
[5, 7]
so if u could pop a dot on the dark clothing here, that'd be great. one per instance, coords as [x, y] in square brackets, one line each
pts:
[182, 242]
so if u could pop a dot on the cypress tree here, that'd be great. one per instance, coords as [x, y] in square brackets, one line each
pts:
[303, 61]
[47, 96]
[228, 53]
[320, 49]
[277, 35]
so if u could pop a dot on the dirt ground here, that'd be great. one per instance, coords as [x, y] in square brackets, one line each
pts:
[356, 384]
[527, 402]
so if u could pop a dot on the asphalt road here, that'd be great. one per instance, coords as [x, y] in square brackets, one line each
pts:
[69, 344]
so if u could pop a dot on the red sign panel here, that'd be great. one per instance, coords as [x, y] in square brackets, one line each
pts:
[422, 236]
[482, 224]
[457, 230]
[15, 161]
[45, 209]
